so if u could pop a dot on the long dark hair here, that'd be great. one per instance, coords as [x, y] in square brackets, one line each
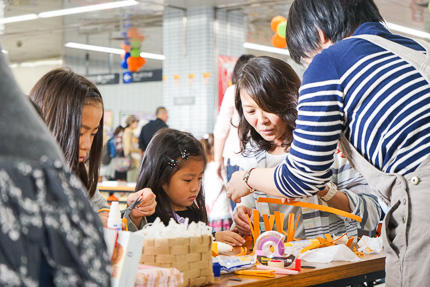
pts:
[238, 67]
[60, 96]
[274, 86]
[337, 19]
[166, 145]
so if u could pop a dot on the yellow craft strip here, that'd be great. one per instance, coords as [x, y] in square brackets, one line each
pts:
[315, 243]
[251, 227]
[267, 226]
[271, 221]
[256, 216]
[278, 221]
[290, 235]
[297, 223]
[310, 205]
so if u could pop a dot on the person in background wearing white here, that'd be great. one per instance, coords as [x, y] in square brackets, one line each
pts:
[216, 201]
[226, 141]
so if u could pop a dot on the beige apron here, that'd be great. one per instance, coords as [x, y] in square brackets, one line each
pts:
[406, 228]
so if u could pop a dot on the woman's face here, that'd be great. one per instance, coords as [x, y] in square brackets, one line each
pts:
[268, 125]
[90, 121]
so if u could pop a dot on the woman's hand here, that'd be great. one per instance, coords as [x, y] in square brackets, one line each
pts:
[236, 188]
[240, 220]
[229, 237]
[145, 208]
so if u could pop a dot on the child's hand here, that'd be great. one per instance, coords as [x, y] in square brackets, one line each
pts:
[146, 207]
[240, 220]
[229, 237]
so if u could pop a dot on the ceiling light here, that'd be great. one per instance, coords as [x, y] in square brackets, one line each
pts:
[152, 56]
[407, 30]
[265, 48]
[110, 50]
[88, 8]
[20, 18]
[4, 51]
[94, 48]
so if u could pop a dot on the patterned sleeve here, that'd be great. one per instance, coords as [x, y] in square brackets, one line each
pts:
[306, 169]
[46, 219]
[361, 201]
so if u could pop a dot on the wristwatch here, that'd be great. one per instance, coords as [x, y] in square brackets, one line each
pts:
[245, 179]
[332, 189]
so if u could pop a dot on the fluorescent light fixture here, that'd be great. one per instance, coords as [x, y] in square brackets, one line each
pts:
[265, 48]
[406, 30]
[4, 51]
[88, 8]
[152, 56]
[20, 18]
[110, 50]
[48, 62]
[94, 48]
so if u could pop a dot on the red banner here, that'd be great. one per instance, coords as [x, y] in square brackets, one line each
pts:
[225, 70]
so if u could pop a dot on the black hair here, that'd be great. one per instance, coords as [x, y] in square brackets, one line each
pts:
[337, 19]
[60, 96]
[166, 145]
[274, 86]
[238, 67]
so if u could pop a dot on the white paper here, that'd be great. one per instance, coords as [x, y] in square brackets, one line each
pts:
[329, 254]
[369, 245]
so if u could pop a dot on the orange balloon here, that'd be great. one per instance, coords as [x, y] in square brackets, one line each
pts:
[279, 42]
[133, 64]
[276, 21]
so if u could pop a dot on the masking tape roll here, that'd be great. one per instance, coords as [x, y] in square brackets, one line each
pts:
[276, 263]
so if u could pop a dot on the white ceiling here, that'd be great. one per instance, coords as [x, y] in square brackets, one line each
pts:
[44, 38]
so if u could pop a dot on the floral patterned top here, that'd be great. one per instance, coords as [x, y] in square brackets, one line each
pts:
[45, 216]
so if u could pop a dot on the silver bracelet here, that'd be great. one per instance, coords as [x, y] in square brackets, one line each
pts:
[332, 189]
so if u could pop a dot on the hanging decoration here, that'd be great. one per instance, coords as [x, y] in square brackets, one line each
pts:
[279, 26]
[132, 61]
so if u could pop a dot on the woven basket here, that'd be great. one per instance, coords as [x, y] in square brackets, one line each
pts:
[190, 255]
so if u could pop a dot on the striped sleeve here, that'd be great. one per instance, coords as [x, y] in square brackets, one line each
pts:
[306, 168]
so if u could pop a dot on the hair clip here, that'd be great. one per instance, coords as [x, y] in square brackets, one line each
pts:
[172, 163]
[185, 154]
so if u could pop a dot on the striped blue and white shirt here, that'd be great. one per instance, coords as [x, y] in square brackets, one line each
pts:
[376, 98]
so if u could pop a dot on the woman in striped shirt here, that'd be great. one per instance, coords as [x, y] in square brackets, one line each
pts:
[373, 97]
[266, 100]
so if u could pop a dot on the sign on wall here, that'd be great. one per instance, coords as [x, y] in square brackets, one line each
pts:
[104, 79]
[142, 76]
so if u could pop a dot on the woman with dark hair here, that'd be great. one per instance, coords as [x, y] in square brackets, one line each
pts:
[368, 90]
[172, 167]
[72, 108]
[45, 214]
[266, 100]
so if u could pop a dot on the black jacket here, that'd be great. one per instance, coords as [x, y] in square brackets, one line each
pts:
[148, 132]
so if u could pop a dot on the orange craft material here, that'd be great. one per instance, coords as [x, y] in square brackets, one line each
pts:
[310, 205]
[279, 42]
[268, 222]
[276, 21]
[291, 231]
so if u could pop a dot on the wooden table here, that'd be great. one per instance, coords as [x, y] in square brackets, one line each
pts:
[337, 273]
[120, 187]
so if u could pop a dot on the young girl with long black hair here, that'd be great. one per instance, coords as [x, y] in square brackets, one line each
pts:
[173, 167]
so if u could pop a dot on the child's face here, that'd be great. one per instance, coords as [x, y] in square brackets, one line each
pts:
[185, 184]
[90, 121]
